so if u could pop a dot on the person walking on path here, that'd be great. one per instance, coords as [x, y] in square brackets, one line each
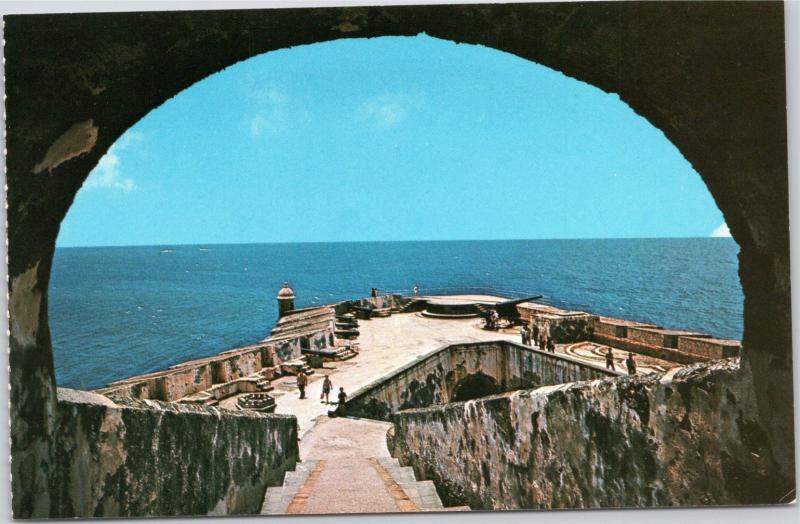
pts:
[631, 363]
[302, 380]
[327, 386]
[341, 409]
[610, 359]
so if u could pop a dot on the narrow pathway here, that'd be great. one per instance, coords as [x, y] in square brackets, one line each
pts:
[347, 468]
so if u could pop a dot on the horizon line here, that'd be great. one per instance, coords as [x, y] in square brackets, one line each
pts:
[383, 241]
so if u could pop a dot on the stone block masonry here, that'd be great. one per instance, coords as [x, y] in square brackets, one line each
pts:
[683, 347]
[309, 328]
[467, 371]
[687, 437]
[135, 458]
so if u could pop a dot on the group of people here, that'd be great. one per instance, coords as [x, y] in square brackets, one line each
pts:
[529, 336]
[327, 387]
[542, 342]
[630, 362]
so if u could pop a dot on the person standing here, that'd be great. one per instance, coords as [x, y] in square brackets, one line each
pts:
[495, 320]
[535, 332]
[551, 346]
[523, 333]
[341, 409]
[610, 359]
[631, 363]
[302, 380]
[327, 386]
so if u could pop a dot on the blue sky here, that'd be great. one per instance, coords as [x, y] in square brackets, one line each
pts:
[389, 139]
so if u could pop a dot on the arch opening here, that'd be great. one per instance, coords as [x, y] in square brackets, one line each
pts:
[475, 385]
[392, 157]
[741, 125]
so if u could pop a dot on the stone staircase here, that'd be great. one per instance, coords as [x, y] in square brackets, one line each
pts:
[300, 485]
[346, 349]
[482, 309]
[293, 367]
[421, 492]
[278, 499]
[407, 305]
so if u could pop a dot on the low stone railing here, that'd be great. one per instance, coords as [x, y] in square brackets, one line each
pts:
[434, 378]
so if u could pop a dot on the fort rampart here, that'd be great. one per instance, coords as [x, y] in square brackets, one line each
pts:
[687, 437]
[134, 458]
[683, 347]
[304, 329]
[468, 370]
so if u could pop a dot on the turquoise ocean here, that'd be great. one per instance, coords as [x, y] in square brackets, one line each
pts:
[122, 311]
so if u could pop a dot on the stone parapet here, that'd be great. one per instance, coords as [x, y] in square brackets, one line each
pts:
[144, 458]
[687, 437]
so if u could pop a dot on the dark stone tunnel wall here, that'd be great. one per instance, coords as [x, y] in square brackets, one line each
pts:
[709, 75]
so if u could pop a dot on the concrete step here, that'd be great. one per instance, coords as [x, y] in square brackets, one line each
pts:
[265, 385]
[346, 355]
[278, 498]
[400, 474]
[388, 462]
[423, 493]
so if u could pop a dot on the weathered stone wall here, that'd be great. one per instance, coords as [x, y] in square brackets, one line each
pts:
[526, 367]
[661, 352]
[148, 458]
[709, 347]
[606, 328]
[689, 437]
[288, 349]
[434, 379]
[192, 377]
[646, 336]
[615, 327]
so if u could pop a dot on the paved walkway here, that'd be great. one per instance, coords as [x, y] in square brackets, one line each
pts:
[346, 468]
[386, 345]
[348, 483]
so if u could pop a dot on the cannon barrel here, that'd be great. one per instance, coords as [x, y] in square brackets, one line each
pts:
[509, 307]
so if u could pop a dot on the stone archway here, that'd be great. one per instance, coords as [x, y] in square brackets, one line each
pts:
[75, 83]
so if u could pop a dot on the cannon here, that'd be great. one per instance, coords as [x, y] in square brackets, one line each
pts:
[506, 310]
